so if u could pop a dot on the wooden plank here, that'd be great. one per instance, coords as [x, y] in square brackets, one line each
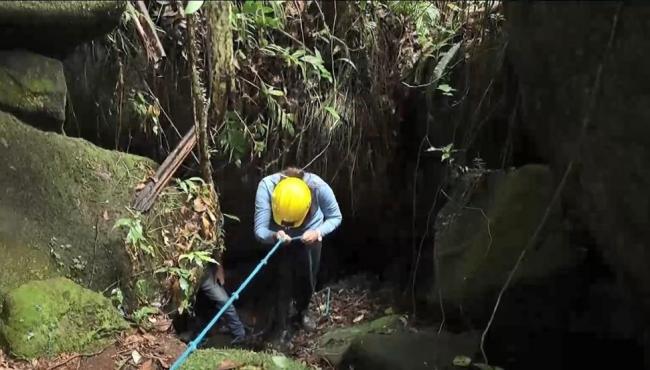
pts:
[146, 197]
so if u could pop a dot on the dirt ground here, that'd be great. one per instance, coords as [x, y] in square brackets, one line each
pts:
[135, 350]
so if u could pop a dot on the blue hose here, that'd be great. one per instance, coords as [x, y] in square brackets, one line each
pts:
[192, 346]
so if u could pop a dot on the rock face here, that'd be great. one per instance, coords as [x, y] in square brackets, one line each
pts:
[44, 318]
[59, 200]
[480, 237]
[33, 87]
[610, 191]
[56, 25]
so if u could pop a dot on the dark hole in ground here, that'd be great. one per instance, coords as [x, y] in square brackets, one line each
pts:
[577, 320]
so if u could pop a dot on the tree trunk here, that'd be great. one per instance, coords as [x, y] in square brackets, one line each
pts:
[221, 59]
[199, 102]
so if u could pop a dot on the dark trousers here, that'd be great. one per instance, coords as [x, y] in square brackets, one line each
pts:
[211, 297]
[295, 271]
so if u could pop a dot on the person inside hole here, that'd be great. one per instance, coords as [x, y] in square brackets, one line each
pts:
[300, 209]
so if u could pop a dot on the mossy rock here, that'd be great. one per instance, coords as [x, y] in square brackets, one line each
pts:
[33, 87]
[48, 317]
[59, 200]
[406, 350]
[210, 359]
[56, 25]
[479, 241]
[333, 344]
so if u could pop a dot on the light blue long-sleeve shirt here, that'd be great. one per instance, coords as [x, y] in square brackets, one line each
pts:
[324, 214]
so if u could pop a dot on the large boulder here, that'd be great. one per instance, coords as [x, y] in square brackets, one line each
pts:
[59, 200]
[56, 25]
[410, 350]
[33, 87]
[612, 176]
[480, 236]
[48, 317]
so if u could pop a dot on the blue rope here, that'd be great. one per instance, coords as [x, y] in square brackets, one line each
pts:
[192, 346]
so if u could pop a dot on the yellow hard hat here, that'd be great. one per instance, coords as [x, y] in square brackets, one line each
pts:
[290, 202]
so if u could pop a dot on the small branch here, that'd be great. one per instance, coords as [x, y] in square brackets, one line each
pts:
[147, 33]
[151, 29]
[61, 363]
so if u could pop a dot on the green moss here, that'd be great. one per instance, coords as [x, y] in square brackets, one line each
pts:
[55, 191]
[20, 263]
[333, 344]
[210, 359]
[33, 85]
[48, 317]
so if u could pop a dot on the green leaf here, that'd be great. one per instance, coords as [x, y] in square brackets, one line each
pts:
[147, 248]
[184, 187]
[196, 179]
[445, 88]
[275, 92]
[232, 217]
[183, 284]
[298, 53]
[333, 112]
[193, 6]
[123, 222]
[348, 61]
[454, 7]
[290, 129]
[281, 362]
[462, 361]
[312, 60]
